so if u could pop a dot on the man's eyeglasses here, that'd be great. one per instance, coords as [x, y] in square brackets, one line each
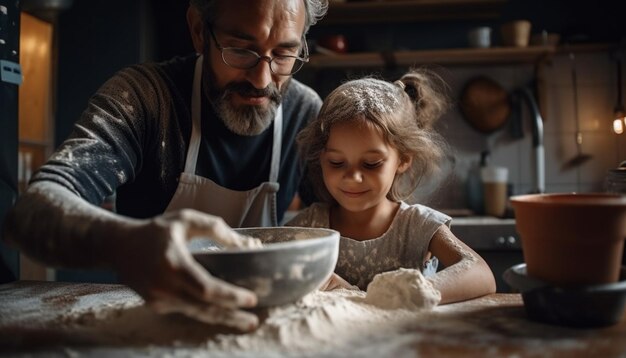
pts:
[244, 59]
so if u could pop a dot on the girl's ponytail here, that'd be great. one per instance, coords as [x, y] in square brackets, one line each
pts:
[428, 91]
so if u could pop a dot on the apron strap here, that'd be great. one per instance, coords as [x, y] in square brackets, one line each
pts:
[194, 140]
[276, 144]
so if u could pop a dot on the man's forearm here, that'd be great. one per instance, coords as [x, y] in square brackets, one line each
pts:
[55, 226]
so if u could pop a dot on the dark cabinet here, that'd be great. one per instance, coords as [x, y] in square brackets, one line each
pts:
[10, 76]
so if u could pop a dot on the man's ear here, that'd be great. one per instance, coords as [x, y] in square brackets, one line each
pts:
[406, 164]
[196, 28]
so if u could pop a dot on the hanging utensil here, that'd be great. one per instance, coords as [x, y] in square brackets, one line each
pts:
[618, 112]
[580, 157]
[484, 104]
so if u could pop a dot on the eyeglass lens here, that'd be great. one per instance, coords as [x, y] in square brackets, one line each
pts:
[246, 59]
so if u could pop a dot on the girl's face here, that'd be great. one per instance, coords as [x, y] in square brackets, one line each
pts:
[358, 166]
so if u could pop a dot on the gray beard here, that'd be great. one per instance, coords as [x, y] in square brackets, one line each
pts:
[246, 120]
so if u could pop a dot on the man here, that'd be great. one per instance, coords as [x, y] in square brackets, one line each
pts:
[214, 133]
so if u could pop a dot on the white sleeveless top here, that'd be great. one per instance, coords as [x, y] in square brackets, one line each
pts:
[404, 244]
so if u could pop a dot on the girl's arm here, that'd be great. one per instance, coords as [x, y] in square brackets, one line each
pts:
[466, 274]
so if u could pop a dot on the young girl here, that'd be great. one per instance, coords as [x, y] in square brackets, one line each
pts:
[371, 145]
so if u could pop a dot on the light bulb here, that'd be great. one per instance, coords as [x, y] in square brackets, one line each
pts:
[618, 126]
[619, 119]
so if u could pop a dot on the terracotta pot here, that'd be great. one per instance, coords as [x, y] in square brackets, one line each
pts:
[572, 239]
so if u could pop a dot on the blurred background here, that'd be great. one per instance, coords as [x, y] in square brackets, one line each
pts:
[569, 59]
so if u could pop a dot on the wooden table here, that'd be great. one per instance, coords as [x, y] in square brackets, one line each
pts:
[70, 319]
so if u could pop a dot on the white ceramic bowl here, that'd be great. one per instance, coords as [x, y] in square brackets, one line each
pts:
[292, 262]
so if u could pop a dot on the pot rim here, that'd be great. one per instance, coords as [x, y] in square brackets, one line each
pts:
[571, 199]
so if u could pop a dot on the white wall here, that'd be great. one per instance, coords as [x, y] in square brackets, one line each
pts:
[597, 92]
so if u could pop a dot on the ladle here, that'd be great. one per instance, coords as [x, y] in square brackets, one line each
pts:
[580, 157]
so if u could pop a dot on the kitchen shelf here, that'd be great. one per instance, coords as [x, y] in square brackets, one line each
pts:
[360, 12]
[460, 56]
[448, 57]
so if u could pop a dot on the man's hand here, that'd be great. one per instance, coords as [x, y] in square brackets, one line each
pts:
[156, 263]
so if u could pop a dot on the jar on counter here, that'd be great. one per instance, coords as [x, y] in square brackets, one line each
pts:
[615, 181]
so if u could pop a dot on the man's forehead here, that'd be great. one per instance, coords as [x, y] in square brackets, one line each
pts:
[268, 13]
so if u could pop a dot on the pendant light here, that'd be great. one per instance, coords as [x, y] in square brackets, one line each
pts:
[619, 120]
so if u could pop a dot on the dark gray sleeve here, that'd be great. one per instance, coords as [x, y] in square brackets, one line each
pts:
[105, 148]
[54, 221]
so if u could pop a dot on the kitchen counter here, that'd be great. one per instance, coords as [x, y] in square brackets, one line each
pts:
[486, 232]
[70, 319]
[495, 239]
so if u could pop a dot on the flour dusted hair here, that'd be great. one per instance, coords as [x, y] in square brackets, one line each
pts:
[404, 112]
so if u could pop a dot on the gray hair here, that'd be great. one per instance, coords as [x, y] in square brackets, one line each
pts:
[315, 10]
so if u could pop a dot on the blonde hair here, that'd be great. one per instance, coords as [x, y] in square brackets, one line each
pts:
[404, 112]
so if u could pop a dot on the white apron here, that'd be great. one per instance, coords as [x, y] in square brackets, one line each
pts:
[251, 208]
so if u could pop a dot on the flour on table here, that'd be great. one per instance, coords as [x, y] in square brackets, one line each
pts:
[340, 318]
[321, 321]
[402, 289]
[113, 321]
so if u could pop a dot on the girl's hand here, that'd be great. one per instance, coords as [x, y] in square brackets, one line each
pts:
[156, 263]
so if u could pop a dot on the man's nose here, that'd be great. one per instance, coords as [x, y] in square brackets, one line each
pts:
[260, 76]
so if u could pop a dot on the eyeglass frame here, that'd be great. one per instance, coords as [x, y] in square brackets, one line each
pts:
[305, 50]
